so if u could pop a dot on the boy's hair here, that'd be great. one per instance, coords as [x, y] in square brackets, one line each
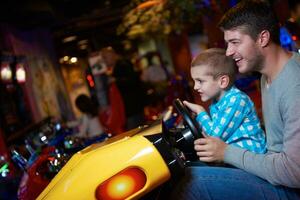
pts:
[252, 16]
[218, 63]
[86, 105]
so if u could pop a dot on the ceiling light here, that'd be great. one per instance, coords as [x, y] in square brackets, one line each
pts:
[66, 58]
[73, 60]
[69, 39]
[82, 47]
[81, 42]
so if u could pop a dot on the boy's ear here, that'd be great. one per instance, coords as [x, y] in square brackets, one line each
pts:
[224, 81]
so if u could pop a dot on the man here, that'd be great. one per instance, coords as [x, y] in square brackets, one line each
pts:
[130, 86]
[252, 34]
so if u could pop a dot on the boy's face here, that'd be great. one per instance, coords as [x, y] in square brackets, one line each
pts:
[244, 50]
[205, 84]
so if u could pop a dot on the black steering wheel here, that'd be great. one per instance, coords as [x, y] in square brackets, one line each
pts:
[194, 127]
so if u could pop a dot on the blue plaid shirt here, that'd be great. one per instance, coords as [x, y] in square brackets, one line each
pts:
[233, 119]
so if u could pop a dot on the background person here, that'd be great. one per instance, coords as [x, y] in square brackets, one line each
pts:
[89, 125]
[129, 84]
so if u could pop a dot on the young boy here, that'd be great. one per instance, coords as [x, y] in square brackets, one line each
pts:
[232, 114]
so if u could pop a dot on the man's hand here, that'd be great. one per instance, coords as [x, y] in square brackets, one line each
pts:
[194, 107]
[210, 149]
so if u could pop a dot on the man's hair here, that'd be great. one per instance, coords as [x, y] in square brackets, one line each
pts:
[217, 62]
[252, 16]
[293, 4]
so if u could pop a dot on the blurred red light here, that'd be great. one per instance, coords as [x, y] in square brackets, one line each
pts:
[91, 83]
[89, 77]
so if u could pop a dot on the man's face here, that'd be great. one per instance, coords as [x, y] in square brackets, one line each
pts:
[244, 50]
[205, 85]
[109, 57]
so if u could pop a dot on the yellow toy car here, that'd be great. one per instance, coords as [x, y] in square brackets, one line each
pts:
[127, 166]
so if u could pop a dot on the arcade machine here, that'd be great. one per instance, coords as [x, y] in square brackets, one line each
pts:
[130, 165]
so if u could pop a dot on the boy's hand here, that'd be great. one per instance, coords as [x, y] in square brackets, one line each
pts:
[194, 107]
[210, 149]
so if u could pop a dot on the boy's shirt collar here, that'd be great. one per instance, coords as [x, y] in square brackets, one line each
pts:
[218, 104]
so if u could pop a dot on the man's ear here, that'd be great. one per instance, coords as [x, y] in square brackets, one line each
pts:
[264, 38]
[224, 81]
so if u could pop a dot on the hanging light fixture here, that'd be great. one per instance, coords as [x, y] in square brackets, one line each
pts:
[20, 73]
[12, 68]
[6, 72]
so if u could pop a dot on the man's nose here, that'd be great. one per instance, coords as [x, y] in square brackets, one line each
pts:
[229, 50]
